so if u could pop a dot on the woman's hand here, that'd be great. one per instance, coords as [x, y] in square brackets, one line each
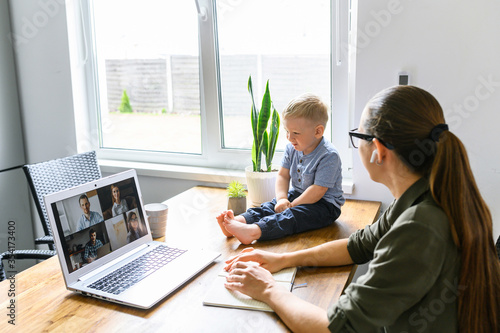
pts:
[251, 279]
[273, 262]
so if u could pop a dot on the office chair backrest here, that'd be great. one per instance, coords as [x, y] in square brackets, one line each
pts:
[59, 174]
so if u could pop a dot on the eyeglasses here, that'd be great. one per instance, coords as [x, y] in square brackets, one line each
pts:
[356, 136]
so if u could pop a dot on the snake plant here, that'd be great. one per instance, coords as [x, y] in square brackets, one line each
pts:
[264, 142]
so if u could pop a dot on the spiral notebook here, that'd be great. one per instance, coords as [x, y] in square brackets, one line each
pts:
[219, 295]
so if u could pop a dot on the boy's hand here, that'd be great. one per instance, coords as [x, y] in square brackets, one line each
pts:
[282, 205]
[311, 195]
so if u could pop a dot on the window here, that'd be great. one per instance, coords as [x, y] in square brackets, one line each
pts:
[169, 78]
[148, 75]
[289, 45]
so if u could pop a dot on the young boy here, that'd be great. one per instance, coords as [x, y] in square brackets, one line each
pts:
[314, 167]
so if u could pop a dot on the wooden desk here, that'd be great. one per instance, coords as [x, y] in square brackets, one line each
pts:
[44, 304]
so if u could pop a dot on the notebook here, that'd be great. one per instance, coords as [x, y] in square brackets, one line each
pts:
[93, 240]
[219, 295]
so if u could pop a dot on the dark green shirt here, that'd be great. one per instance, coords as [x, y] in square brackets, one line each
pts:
[411, 282]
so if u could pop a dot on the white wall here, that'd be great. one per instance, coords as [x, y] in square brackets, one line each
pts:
[44, 78]
[449, 47]
[44, 81]
[15, 218]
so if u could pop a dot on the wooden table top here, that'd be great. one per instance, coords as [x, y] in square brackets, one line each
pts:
[42, 302]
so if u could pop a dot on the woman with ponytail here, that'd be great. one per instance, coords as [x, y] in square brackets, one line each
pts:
[434, 266]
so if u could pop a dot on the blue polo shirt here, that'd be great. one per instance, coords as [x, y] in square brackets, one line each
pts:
[84, 223]
[320, 167]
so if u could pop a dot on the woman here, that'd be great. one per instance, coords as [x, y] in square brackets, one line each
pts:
[119, 205]
[433, 262]
[135, 229]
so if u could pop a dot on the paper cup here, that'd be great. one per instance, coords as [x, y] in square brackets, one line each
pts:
[156, 209]
[157, 218]
[160, 219]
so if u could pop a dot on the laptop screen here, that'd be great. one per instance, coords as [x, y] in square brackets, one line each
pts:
[94, 223]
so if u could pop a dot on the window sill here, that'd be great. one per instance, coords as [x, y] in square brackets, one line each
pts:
[201, 174]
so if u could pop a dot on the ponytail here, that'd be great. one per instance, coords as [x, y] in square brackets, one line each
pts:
[454, 189]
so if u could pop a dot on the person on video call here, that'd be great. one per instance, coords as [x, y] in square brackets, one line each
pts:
[91, 247]
[119, 205]
[88, 218]
[136, 230]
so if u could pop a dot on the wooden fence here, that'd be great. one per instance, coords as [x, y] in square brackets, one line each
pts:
[172, 84]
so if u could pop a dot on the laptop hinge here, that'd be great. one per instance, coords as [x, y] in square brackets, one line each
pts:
[99, 270]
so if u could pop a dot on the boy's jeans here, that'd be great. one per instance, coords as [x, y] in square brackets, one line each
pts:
[292, 220]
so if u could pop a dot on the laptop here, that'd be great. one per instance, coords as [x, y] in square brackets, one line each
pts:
[103, 256]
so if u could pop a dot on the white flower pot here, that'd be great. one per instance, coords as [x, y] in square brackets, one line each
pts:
[261, 185]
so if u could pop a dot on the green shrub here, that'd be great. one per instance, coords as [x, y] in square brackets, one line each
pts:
[125, 106]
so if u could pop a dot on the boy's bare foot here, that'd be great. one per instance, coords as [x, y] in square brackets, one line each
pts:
[245, 233]
[220, 220]
[239, 218]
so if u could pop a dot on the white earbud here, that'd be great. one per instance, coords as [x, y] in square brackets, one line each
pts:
[374, 156]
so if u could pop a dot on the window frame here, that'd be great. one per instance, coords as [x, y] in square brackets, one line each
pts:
[213, 155]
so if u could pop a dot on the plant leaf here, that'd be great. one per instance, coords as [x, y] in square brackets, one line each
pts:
[254, 157]
[273, 138]
[254, 111]
[256, 140]
[265, 112]
[265, 144]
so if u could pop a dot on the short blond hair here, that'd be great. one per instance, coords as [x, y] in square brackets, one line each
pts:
[308, 106]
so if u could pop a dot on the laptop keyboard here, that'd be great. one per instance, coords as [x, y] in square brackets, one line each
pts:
[123, 278]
